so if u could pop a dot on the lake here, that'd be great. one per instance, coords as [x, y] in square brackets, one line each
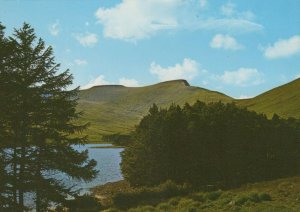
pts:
[108, 164]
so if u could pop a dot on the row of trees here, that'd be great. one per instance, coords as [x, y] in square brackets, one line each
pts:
[37, 115]
[211, 144]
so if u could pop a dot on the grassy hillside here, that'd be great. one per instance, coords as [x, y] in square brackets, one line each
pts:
[282, 195]
[283, 100]
[117, 109]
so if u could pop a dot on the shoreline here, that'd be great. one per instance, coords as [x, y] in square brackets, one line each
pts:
[107, 147]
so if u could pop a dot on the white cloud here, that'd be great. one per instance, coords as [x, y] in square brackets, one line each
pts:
[241, 77]
[297, 76]
[133, 20]
[187, 70]
[54, 28]
[204, 82]
[247, 15]
[225, 42]
[128, 82]
[283, 48]
[80, 62]
[203, 3]
[244, 97]
[234, 21]
[231, 25]
[228, 9]
[87, 40]
[100, 80]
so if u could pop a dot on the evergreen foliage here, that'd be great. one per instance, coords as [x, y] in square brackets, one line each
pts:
[84, 203]
[211, 144]
[37, 125]
[149, 195]
[117, 139]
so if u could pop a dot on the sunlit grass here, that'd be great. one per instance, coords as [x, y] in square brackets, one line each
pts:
[278, 195]
[117, 109]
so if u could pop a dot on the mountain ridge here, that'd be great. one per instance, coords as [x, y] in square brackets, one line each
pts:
[283, 100]
[183, 81]
[117, 109]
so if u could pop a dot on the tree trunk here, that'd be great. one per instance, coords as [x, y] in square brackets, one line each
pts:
[38, 202]
[21, 177]
[15, 180]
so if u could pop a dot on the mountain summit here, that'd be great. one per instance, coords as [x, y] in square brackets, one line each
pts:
[117, 109]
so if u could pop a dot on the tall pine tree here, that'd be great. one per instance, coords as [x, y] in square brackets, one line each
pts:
[41, 122]
[5, 190]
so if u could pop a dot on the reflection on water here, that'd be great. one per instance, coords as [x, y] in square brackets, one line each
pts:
[108, 164]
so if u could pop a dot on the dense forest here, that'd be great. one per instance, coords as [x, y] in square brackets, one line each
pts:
[37, 114]
[213, 144]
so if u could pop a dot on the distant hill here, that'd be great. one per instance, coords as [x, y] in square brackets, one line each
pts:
[117, 109]
[283, 100]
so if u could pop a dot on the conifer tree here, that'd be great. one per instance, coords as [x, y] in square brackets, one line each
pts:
[5, 198]
[42, 124]
[211, 144]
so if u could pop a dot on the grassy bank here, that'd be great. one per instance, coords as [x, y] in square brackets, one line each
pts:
[106, 147]
[278, 195]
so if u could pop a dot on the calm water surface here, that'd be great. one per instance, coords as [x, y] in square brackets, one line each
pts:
[108, 164]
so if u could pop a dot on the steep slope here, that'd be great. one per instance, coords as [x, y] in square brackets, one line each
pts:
[283, 100]
[117, 109]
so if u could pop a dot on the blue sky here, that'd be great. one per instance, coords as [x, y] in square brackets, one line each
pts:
[237, 47]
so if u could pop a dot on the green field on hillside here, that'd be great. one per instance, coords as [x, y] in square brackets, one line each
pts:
[283, 100]
[117, 109]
